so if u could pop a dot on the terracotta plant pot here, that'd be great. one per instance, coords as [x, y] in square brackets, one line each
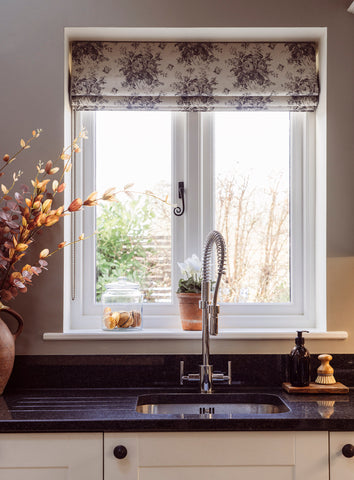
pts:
[190, 313]
[7, 347]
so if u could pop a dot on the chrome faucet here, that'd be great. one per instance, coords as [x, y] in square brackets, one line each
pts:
[210, 312]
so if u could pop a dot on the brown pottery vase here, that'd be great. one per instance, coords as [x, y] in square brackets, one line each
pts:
[190, 313]
[7, 347]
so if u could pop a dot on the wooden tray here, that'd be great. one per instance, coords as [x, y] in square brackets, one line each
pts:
[317, 388]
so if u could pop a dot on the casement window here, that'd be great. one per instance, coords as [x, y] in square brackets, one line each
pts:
[243, 146]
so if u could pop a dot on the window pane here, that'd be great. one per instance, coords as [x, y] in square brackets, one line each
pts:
[252, 204]
[134, 234]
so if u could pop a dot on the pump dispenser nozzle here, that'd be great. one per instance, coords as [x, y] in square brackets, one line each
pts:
[300, 339]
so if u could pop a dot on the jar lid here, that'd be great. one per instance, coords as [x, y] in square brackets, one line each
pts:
[122, 284]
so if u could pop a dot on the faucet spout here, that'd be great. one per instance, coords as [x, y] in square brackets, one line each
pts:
[210, 310]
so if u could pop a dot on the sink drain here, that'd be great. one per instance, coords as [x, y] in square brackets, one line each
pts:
[206, 410]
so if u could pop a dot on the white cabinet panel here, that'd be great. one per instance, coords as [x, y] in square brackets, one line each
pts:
[214, 473]
[57, 456]
[218, 455]
[126, 468]
[34, 473]
[341, 468]
[217, 448]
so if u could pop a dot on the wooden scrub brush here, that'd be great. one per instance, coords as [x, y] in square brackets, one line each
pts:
[325, 371]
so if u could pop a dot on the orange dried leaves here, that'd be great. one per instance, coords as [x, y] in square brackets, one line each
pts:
[75, 205]
[109, 195]
[40, 186]
[47, 205]
[91, 200]
[21, 247]
[51, 220]
[44, 253]
[61, 187]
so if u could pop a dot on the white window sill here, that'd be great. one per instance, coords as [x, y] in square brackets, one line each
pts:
[179, 334]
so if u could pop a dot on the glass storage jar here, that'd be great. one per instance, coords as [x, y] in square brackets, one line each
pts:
[123, 309]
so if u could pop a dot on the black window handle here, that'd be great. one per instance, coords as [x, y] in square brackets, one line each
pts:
[178, 211]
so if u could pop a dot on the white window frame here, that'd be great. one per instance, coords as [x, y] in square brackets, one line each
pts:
[193, 163]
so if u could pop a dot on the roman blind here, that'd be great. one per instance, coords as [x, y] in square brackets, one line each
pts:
[194, 76]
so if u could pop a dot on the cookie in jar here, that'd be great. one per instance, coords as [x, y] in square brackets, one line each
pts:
[123, 306]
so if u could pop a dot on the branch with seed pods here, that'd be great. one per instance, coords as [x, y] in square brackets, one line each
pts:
[24, 214]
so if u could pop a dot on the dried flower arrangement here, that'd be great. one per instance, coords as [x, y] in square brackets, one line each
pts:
[25, 211]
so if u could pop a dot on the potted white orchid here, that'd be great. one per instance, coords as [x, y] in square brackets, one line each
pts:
[189, 293]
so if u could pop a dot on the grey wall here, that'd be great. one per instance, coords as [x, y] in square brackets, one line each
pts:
[32, 95]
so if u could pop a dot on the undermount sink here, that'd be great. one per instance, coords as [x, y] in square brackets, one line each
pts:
[208, 405]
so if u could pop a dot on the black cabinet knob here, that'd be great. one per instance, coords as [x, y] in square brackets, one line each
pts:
[120, 451]
[348, 450]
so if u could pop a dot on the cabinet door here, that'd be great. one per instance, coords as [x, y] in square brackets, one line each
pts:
[341, 467]
[218, 455]
[60, 456]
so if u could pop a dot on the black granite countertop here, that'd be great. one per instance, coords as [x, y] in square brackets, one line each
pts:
[113, 410]
[100, 393]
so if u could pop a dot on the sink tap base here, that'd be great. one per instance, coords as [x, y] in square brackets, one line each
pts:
[206, 377]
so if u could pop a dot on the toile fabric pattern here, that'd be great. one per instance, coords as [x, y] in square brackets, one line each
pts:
[194, 76]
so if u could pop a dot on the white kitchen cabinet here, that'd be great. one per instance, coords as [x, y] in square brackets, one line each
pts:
[341, 467]
[218, 455]
[54, 456]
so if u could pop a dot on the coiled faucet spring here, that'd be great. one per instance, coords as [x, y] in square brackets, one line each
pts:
[216, 238]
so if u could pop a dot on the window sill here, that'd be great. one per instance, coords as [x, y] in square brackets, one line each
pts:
[178, 334]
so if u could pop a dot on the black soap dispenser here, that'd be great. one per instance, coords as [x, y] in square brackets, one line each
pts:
[299, 362]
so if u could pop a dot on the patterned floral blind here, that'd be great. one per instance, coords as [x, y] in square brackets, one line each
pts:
[198, 76]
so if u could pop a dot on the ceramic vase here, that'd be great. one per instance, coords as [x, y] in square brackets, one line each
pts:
[190, 313]
[7, 346]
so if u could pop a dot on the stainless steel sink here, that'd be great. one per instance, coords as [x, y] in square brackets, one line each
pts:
[208, 405]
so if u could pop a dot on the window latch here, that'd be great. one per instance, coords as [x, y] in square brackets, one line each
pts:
[178, 211]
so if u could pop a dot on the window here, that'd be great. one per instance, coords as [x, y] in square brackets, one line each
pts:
[134, 235]
[245, 173]
[235, 122]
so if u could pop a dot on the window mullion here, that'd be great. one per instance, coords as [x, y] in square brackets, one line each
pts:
[193, 219]
[298, 228]
[207, 173]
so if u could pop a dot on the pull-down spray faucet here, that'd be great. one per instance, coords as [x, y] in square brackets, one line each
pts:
[210, 311]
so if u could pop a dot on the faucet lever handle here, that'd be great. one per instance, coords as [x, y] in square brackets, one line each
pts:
[181, 372]
[229, 372]
[190, 377]
[222, 377]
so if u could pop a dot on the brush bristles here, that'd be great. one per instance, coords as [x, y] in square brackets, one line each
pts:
[328, 403]
[325, 379]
